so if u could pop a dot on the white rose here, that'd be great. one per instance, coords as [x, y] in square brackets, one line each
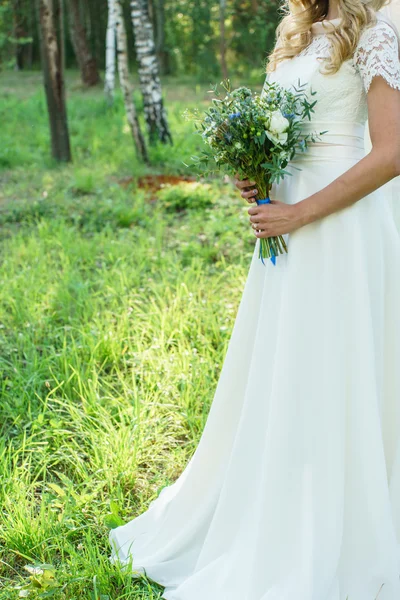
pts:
[278, 123]
[277, 138]
[283, 137]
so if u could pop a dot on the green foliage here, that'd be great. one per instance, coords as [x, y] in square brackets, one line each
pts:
[193, 36]
[252, 32]
[6, 34]
[42, 582]
[201, 49]
[85, 181]
[186, 195]
[13, 31]
[113, 519]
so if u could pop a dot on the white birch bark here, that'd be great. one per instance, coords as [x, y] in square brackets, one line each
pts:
[150, 84]
[127, 90]
[109, 85]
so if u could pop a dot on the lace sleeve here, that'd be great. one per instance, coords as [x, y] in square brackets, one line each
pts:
[377, 54]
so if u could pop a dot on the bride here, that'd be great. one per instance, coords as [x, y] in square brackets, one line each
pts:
[293, 492]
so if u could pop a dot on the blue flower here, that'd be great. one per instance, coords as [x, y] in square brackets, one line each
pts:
[234, 115]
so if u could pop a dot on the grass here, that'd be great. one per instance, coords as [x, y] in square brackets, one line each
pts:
[116, 307]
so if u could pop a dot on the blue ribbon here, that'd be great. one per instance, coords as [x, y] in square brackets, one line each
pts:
[273, 257]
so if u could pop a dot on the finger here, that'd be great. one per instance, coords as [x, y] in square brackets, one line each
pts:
[255, 219]
[249, 194]
[244, 183]
[238, 177]
[254, 210]
[257, 227]
[262, 233]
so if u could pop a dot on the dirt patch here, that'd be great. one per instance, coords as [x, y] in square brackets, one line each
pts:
[153, 183]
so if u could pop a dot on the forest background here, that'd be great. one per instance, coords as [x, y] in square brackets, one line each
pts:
[120, 272]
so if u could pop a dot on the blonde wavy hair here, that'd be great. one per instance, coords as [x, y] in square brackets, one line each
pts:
[294, 30]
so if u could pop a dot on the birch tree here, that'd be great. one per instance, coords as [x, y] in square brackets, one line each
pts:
[49, 14]
[127, 90]
[150, 85]
[109, 84]
[87, 63]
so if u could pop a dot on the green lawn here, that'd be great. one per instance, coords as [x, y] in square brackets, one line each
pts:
[116, 307]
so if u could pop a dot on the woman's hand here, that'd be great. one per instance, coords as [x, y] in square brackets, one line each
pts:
[269, 220]
[277, 218]
[242, 184]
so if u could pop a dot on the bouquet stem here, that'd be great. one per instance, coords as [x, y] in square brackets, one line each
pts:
[270, 247]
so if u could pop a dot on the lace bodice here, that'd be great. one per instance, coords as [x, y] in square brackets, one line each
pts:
[342, 96]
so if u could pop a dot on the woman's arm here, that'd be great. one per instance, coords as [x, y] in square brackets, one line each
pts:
[374, 170]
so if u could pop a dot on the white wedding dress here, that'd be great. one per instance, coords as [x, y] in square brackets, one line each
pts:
[293, 492]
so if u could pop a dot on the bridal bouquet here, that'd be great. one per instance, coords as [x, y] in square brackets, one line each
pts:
[255, 136]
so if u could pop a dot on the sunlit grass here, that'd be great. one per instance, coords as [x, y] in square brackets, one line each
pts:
[116, 308]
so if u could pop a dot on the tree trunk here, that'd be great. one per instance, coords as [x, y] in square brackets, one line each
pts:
[87, 64]
[54, 80]
[123, 71]
[109, 84]
[161, 51]
[19, 27]
[62, 35]
[31, 30]
[149, 78]
[224, 68]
